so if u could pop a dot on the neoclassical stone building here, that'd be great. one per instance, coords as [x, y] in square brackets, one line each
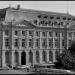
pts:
[33, 37]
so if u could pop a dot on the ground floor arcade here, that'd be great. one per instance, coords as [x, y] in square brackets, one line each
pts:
[28, 57]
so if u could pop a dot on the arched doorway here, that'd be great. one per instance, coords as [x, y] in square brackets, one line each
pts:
[37, 57]
[23, 58]
[50, 56]
[44, 56]
[7, 58]
[30, 57]
[16, 58]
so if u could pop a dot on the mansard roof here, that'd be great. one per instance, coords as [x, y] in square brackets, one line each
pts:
[3, 12]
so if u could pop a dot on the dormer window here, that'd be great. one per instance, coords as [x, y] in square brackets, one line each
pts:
[69, 18]
[64, 18]
[51, 17]
[58, 17]
[73, 19]
[39, 16]
[45, 16]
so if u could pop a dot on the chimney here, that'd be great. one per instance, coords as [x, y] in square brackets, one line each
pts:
[18, 7]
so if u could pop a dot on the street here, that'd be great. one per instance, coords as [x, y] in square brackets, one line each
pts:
[13, 72]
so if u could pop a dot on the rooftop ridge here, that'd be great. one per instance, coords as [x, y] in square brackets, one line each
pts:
[40, 11]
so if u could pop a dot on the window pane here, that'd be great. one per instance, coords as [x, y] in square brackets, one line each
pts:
[50, 33]
[50, 56]
[23, 43]
[50, 43]
[30, 33]
[37, 56]
[63, 43]
[23, 33]
[6, 32]
[56, 43]
[69, 43]
[30, 43]
[43, 33]
[16, 33]
[16, 42]
[37, 33]
[44, 43]
[69, 34]
[6, 42]
[37, 42]
[44, 56]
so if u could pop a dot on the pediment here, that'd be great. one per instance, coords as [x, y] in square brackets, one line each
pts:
[24, 23]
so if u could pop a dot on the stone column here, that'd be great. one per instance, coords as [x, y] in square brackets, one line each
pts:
[27, 58]
[40, 40]
[47, 52]
[40, 56]
[3, 59]
[27, 39]
[19, 57]
[53, 41]
[13, 64]
[47, 40]
[34, 57]
[53, 55]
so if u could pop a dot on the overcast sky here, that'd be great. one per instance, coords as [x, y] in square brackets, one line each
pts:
[54, 6]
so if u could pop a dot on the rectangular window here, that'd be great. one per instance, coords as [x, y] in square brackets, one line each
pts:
[23, 33]
[50, 43]
[61, 23]
[50, 34]
[16, 42]
[56, 34]
[6, 42]
[69, 43]
[63, 43]
[37, 42]
[16, 33]
[44, 43]
[43, 33]
[37, 33]
[74, 34]
[30, 33]
[23, 43]
[30, 43]
[6, 32]
[56, 43]
[69, 34]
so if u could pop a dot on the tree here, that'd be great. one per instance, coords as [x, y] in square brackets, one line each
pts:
[66, 60]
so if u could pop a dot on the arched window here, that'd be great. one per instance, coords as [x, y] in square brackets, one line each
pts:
[56, 54]
[16, 57]
[23, 58]
[7, 57]
[37, 56]
[44, 56]
[30, 57]
[50, 56]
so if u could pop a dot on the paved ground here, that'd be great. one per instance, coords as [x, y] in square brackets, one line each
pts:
[23, 72]
[13, 72]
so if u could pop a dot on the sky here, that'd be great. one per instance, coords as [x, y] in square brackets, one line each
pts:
[53, 6]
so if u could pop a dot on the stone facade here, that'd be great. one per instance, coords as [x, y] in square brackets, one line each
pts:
[31, 37]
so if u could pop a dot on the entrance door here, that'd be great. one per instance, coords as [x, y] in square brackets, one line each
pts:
[23, 58]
